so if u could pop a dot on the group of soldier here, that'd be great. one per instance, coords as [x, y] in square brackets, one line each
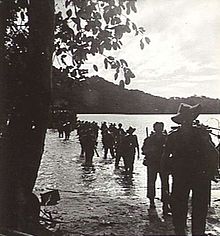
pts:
[117, 141]
[186, 155]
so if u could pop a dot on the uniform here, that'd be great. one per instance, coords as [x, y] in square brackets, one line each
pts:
[192, 153]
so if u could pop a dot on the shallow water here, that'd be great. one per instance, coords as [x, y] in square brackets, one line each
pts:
[61, 165]
[61, 168]
[101, 186]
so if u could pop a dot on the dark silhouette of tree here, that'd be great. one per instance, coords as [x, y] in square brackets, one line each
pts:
[26, 72]
[30, 34]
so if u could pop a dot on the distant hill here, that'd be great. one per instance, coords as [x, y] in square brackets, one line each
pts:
[96, 95]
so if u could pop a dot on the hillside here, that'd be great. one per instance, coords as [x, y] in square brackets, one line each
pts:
[96, 95]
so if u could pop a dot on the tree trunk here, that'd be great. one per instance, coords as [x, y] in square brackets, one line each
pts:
[3, 116]
[24, 141]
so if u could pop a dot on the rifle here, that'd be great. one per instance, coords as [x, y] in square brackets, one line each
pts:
[147, 132]
[205, 127]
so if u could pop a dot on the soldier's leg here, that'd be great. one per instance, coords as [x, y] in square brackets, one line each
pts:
[82, 144]
[89, 152]
[86, 156]
[165, 193]
[117, 158]
[151, 179]
[200, 201]
[131, 164]
[179, 203]
[112, 152]
[126, 162]
[105, 152]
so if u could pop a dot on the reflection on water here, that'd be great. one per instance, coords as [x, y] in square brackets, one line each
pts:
[126, 183]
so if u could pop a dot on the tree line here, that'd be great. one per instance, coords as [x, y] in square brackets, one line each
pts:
[96, 95]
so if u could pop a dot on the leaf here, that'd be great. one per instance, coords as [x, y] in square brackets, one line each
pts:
[111, 2]
[128, 11]
[134, 27]
[123, 62]
[142, 30]
[114, 65]
[128, 30]
[117, 10]
[133, 7]
[111, 58]
[75, 20]
[106, 63]
[115, 46]
[69, 13]
[120, 30]
[116, 21]
[127, 80]
[116, 76]
[118, 64]
[97, 15]
[127, 22]
[95, 67]
[87, 27]
[101, 48]
[63, 56]
[130, 73]
[62, 59]
[141, 44]
[118, 45]
[67, 3]
[147, 40]
[120, 42]
[106, 15]
[59, 51]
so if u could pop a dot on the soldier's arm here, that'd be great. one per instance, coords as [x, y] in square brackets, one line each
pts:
[145, 146]
[213, 159]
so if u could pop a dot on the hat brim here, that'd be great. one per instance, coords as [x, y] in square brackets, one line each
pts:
[190, 115]
[131, 130]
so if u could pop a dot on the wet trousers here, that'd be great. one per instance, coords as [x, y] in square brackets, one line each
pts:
[199, 185]
[152, 171]
[60, 133]
[111, 152]
[118, 156]
[89, 153]
[129, 162]
[67, 135]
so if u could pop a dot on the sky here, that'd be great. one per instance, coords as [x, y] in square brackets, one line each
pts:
[183, 57]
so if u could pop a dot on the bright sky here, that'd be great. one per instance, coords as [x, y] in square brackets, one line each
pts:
[183, 58]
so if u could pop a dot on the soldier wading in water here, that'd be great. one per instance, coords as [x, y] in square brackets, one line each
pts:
[128, 147]
[194, 164]
[152, 149]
